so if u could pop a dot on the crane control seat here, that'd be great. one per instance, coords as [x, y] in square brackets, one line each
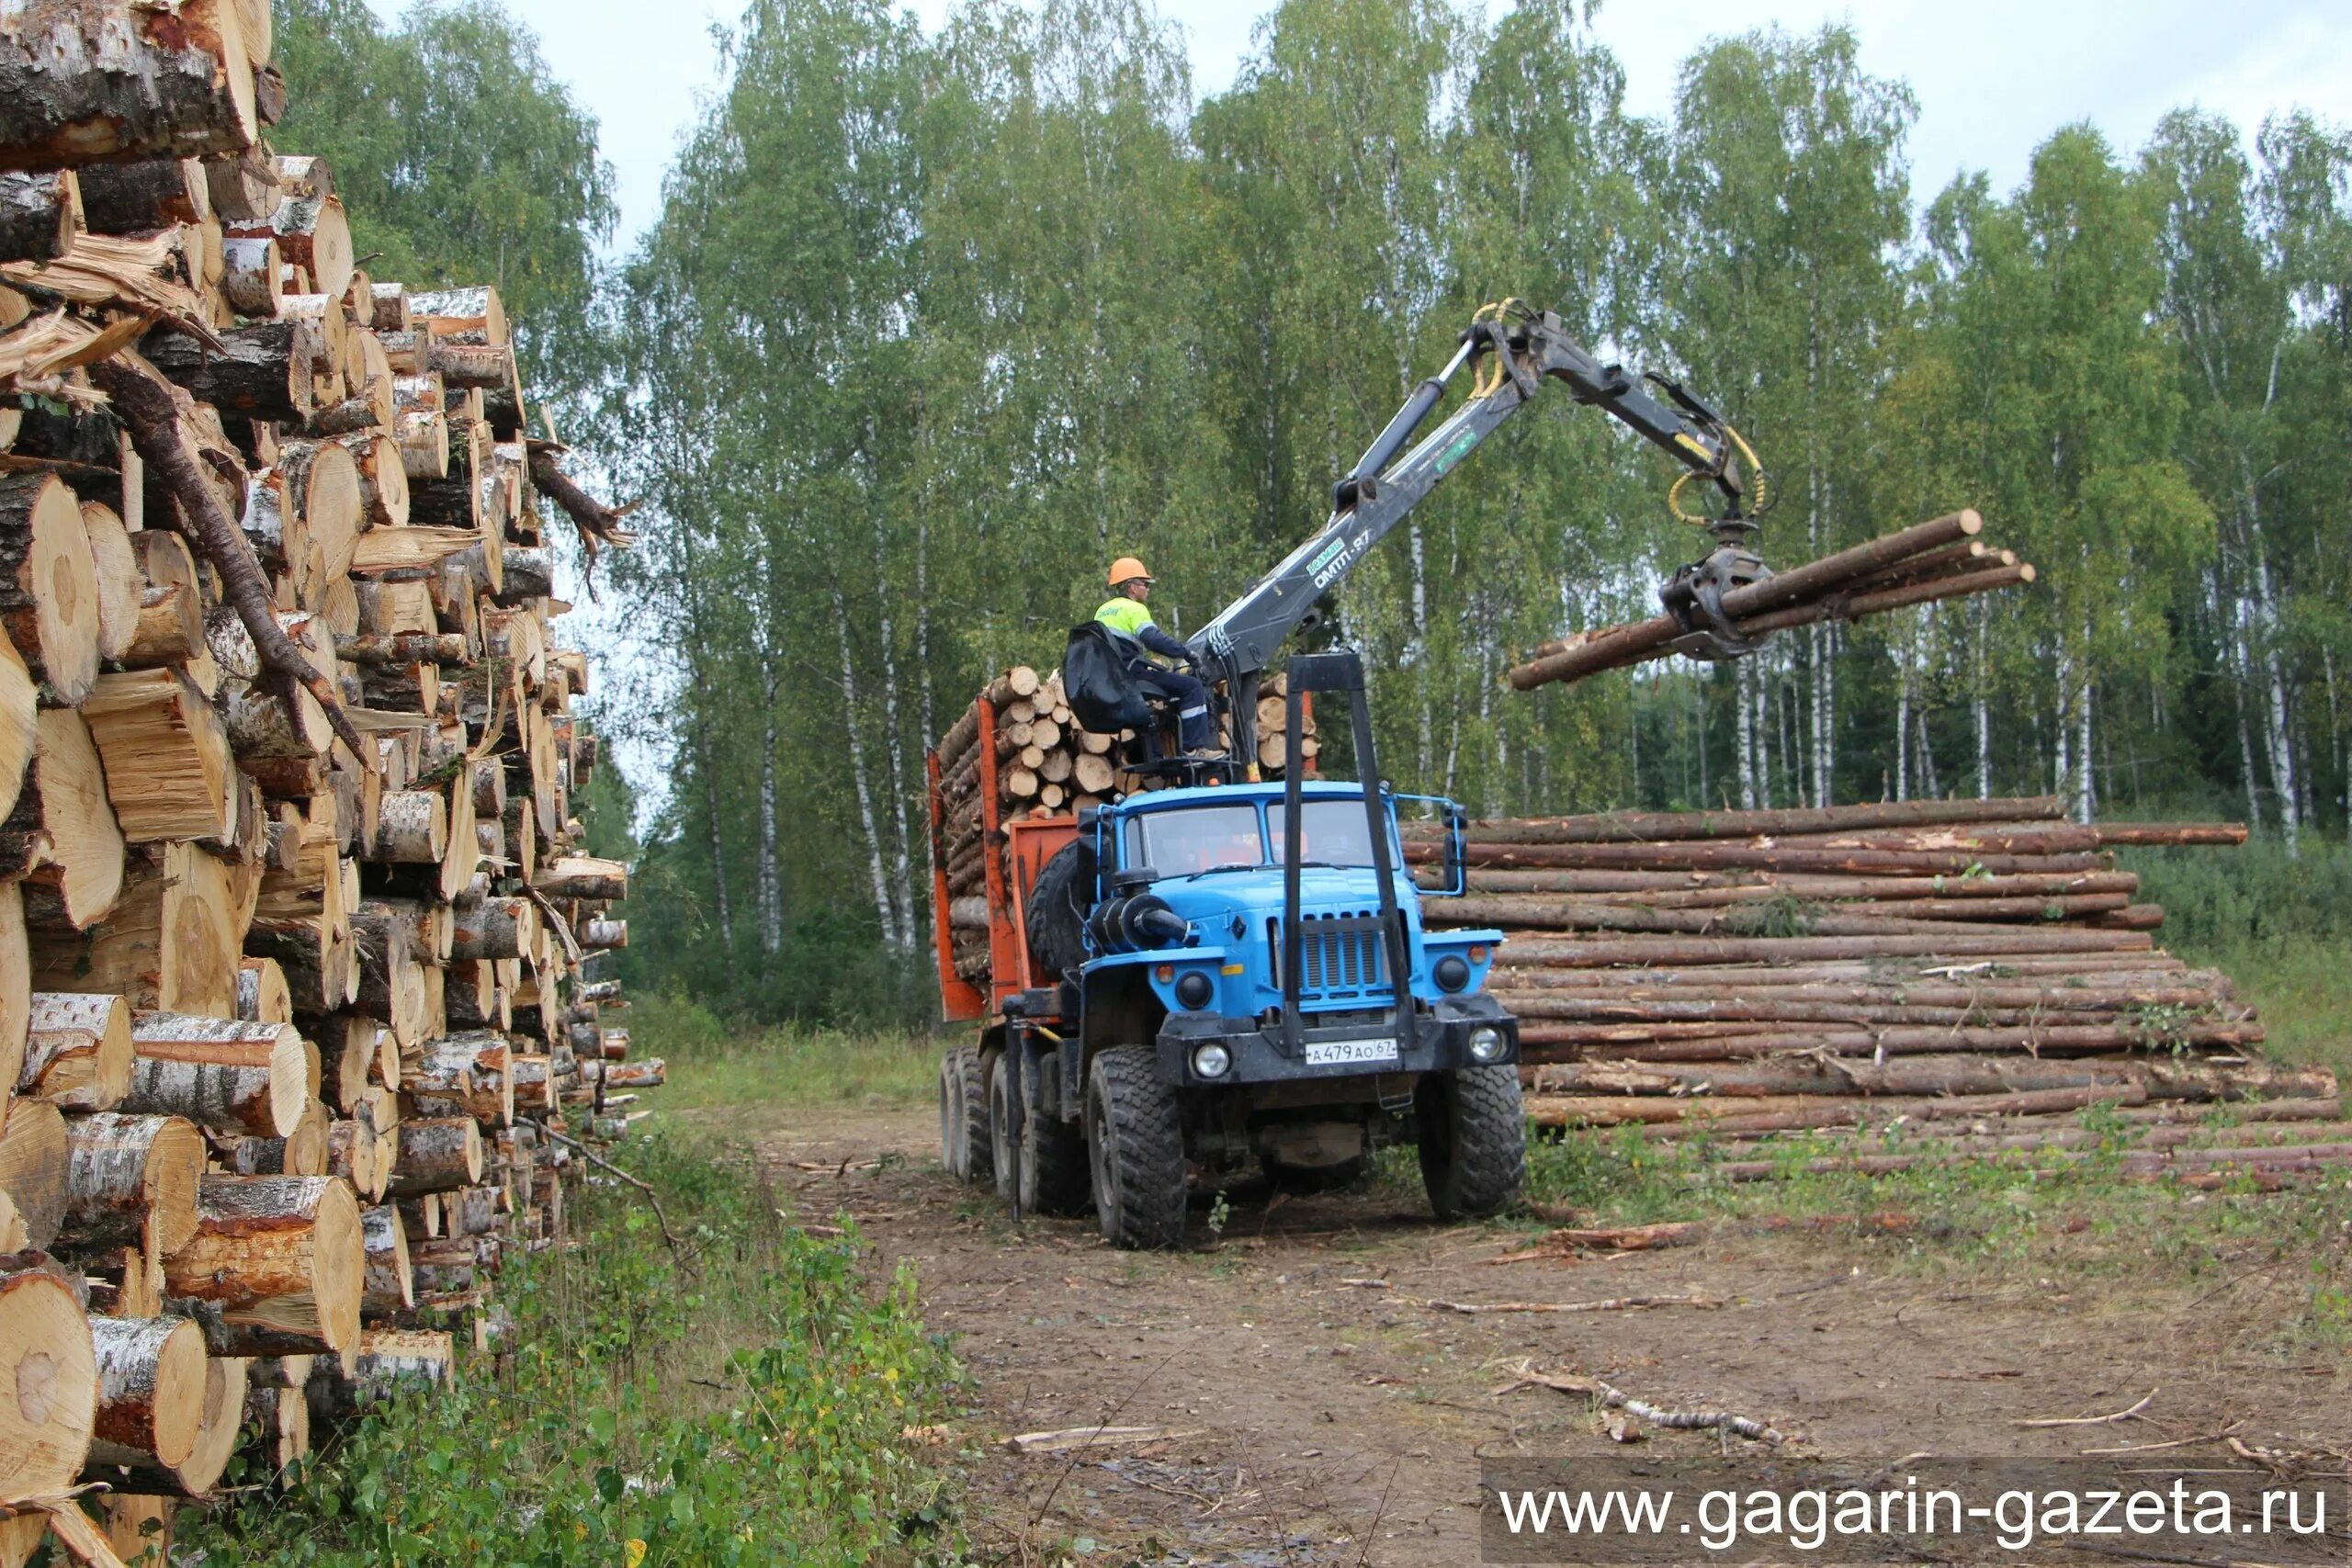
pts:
[1106, 698]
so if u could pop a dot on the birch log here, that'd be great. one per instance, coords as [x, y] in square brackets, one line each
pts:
[224, 1074]
[34, 1165]
[63, 831]
[132, 1179]
[45, 1430]
[280, 1256]
[150, 1395]
[77, 1050]
[438, 1154]
[391, 1288]
[102, 81]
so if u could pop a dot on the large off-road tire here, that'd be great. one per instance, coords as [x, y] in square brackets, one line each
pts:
[1302, 1179]
[1053, 1156]
[963, 1140]
[954, 1145]
[1004, 1149]
[1135, 1144]
[1472, 1140]
[1055, 916]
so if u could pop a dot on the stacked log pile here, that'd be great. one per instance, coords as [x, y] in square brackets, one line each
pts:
[1942, 558]
[1274, 747]
[293, 909]
[1043, 763]
[1038, 763]
[1938, 965]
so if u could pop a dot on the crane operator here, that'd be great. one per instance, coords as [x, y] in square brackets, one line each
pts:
[1131, 624]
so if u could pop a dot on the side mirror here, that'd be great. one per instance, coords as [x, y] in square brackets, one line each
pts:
[1457, 851]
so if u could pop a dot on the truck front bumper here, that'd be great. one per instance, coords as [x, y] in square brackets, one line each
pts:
[1258, 1052]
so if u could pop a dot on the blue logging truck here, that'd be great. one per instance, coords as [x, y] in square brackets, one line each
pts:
[1227, 970]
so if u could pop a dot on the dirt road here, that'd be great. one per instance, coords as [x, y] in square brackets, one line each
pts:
[1322, 1413]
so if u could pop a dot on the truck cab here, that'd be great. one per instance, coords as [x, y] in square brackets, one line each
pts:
[1207, 978]
[1231, 974]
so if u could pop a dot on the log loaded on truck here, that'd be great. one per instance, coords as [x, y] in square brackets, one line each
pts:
[1230, 970]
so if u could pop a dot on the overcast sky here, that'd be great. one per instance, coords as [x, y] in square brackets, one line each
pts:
[1993, 77]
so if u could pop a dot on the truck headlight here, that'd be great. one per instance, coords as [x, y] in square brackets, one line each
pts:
[1486, 1044]
[1212, 1061]
[1194, 989]
[1452, 973]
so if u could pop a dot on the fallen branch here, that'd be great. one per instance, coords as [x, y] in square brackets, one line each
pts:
[1613, 1398]
[148, 410]
[2125, 1415]
[1560, 1246]
[1072, 1438]
[1613, 1303]
[596, 522]
[600, 1163]
[2176, 1443]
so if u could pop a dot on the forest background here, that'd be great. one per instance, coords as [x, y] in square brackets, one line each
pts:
[933, 325]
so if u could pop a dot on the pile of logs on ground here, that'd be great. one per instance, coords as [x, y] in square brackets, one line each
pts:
[1938, 559]
[293, 909]
[1976, 969]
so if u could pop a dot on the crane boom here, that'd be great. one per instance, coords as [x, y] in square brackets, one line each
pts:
[1520, 349]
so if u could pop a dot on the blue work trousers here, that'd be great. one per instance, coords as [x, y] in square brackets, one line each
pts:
[1190, 698]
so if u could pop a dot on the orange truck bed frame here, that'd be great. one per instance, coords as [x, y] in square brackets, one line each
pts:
[1008, 878]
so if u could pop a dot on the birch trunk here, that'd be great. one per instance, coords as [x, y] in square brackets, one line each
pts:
[2245, 729]
[859, 778]
[707, 766]
[2086, 778]
[2276, 720]
[900, 928]
[1903, 725]
[1983, 713]
[771, 880]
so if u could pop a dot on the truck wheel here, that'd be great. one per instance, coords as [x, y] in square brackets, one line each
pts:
[1004, 1151]
[1472, 1140]
[1055, 918]
[1305, 1179]
[1053, 1156]
[1135, 1144]
[955, 1148]
[963, 1115]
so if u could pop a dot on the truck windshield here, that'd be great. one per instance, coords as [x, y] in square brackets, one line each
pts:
[1199, 838]
[1330, 832]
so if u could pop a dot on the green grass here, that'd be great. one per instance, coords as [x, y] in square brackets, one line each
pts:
[727, 1077]
[2279, 927]
[749, 1397]
[2001, 1222]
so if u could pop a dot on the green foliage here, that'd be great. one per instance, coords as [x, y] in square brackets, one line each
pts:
[756, 1403]
[935, 325]
[461, 160]
[2254, 896]
[2275, 923]
[724, 1073]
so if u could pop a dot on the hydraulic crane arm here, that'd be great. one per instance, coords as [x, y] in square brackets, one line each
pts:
[1383, 487]
[1516, 349]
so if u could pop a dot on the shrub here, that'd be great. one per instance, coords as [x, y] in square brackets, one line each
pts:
[744, 1398]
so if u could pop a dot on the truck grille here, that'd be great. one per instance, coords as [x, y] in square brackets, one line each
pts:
[1341, 959]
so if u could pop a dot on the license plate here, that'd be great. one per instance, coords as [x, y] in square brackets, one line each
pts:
[1332, 1053]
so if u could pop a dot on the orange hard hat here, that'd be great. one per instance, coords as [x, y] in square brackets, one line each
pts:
[1125, 569]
